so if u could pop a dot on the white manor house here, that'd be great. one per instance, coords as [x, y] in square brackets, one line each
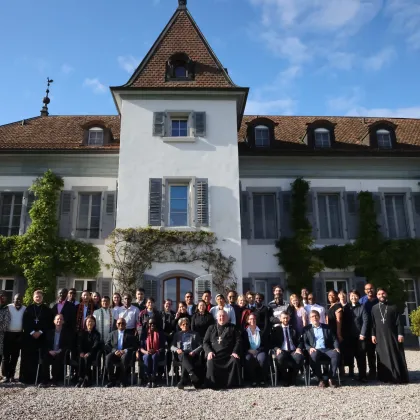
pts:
[181, 154]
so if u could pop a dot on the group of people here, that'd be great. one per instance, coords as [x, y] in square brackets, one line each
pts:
[213, 345]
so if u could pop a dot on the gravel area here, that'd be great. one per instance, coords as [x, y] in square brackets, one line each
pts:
[351, 401]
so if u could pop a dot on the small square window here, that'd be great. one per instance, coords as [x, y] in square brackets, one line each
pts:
[262, 136]
[322, 138]
[96, 137]
[384, 139]
[179, 127]
[178, 205]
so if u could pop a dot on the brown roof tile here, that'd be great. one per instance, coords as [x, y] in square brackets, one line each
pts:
[57, 133]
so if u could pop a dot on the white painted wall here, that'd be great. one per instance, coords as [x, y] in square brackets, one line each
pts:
[215, 157]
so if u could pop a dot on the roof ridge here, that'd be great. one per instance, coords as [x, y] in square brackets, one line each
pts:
[20, 121]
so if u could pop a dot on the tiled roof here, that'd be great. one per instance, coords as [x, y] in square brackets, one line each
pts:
[57, 133]
[181, 35]
[290, 131]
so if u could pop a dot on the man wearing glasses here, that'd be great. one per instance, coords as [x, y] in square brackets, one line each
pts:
[191, 306]
[369, 300]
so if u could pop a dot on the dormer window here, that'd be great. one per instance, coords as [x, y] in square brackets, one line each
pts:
[96, 136]
[322, 138]
[262, 136]
[384, 139]
[180, 67]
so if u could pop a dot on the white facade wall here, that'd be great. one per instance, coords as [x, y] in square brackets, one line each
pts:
[215, 157]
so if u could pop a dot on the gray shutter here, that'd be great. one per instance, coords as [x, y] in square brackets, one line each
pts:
[62, 283]
[319, 291]
[202, 202]
[150, 287]
[108, 213]
[200, 124]
[106, 286]
[352, 214]
[245, 215]
[285, 214]
[66, 213]
[415, 200]
[155, 201]
[359, 284]
[201, 284]
[24, 213]
[379, 209]
[246, 284]
[311, 203]
[159, 124]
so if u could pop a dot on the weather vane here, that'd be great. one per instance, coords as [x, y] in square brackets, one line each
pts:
[46, 100]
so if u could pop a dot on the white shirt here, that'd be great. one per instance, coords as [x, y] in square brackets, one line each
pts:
[16, 317]
[284, 346]
[319, 309]
[130, 315]
[228, 309]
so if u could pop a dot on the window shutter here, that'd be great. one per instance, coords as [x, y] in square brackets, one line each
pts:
[62, 283]
[415, 200]
[285, 214]
[108, 213]
[150, 287]
[201, 284]
[311, 203]
[380, 214]
[245, 215]
[66, 213]
[352, 214]
[319, 291]
[200, 124]
[159, 124]
[202, 202]
[155, 201]
[246, 284]
[107, 136]
[24, 215]
[106, 286]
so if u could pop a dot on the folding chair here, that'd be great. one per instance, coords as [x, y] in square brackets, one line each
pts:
[98, 365]
[273, 367]
[132, 369]
[161, 363]
[325, 365]
[177, 365]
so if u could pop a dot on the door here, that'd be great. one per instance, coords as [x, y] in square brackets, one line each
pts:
[175, 288]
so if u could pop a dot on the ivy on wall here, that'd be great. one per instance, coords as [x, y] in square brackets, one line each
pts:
[370, 256]
[40, 255]
[134, 251]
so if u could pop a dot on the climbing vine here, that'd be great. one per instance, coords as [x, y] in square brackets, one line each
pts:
[134, 251]
[40, 255]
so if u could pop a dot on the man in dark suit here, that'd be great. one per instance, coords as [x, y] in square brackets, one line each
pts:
[57, 342]
[121, 347]
[322, 345]
[65, 308]
[288, 350]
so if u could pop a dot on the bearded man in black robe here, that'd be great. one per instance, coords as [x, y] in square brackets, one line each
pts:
[222, 345]
[388, 335]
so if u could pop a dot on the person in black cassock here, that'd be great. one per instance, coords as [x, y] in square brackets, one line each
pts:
[222, 345]
[388, 335]
[37, 320]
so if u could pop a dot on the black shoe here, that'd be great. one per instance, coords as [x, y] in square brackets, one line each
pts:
[363, 379]
[43, 385]
[85, 384]
[54, 384]
[154, 385]
[79, 383]
[254, 384]
[149, 385]
[110, 385]
[180, 385]
[332, 383]
[372, 376]
[122, 385]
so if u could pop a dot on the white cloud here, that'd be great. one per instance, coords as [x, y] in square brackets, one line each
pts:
[128, 63]
[66, 69]
[383, 57]
[290, 48]
[341, 60]
[341, 104]
[285, 106]
[95, 85]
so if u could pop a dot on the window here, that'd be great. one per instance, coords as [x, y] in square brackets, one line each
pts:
[329, 214]
[96, 137]
[337, 285]
[89, 215]
[384, 139]
[265, 216]
[261, 287]
[175, 288]
[322, 138]
[80, 285]
[179, 127]
[178, 205]
[262, 136]
[396, 216]
[180, 67]
[180, 72]
[10, 213]
[7, 285]
[411, 304]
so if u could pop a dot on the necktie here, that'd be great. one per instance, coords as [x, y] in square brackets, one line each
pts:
[286, 331]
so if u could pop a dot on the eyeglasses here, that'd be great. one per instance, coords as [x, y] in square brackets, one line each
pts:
[370, 288]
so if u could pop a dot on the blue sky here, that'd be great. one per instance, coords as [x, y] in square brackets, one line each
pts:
[299, 57]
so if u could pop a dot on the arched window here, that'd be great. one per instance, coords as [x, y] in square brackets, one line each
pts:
[384, 139]
[322, 138]
[96, 136]
[180, 67]
[175, 289]
[262, 136]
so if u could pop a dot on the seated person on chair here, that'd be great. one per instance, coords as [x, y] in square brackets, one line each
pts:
[222, 345]
[187, 345]
[288, 350]
[57, 342]
[152, 349]
[322, 345]
[89, 344]
[121, 346]
[255, 347]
